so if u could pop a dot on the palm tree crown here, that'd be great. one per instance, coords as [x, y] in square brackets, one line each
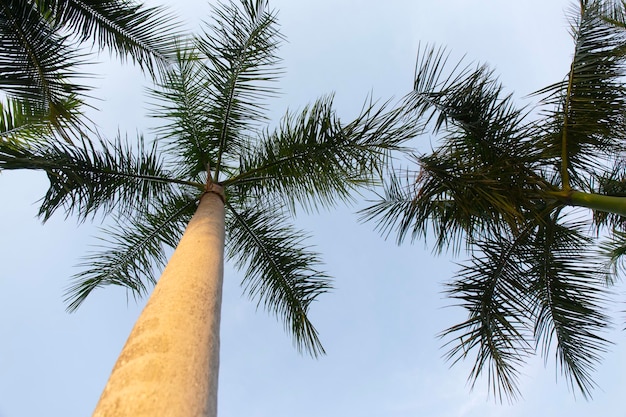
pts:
[502, 183]
[213, 101]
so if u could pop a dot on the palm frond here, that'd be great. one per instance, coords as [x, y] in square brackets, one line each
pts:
[613, 249]
[485, 172]
[470, 106]
[570, 296]
[483, 175]
[409, 206]
[280, 271]
[182, 102]
[610, 182]
[19, 119]
[495, 182]
[614, 12]
[587, 120]
[240, 52]
[434, 77]
[22, 120]
[395, 210]
[145, 35]
[36, 63]
[133, 249]
[84, 180]
[314, 159]
[537, 276]
[493, 291]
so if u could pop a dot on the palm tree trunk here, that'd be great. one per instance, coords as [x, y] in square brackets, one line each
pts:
[169, 365]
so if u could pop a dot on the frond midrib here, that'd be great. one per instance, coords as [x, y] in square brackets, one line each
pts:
[47, 166]
[229, 106]
[120, 30]
[301, 155]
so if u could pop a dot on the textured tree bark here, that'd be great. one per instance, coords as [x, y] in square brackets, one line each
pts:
[169, 365]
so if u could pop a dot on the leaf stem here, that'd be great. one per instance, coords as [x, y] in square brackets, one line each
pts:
[600, 202]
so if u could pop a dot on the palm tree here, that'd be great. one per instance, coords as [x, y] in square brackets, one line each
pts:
[508, 184]
[228, 184]
[40, 56]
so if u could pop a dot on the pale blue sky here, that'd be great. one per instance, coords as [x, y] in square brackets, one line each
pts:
[379, 325]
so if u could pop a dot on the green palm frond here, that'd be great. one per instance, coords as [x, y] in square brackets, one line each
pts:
[183, 102]
[142, 34]
[410, 205]
[314, 159]
[458, 195]
[570, 296]
[614, 13]
[493, 291]
[541, 277]
[134, 249]
[394, 208]
[470, 107]
[484, 174]
[36, 62]
[21, 119]
[613, 249]
[241, 68]
[434, 76]
[610, 182]
[40, 62]
[84, 180]
[280, 271]
[589, 105]
[25, 120]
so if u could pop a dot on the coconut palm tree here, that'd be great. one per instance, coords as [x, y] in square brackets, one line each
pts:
[532, 195]
[218, 182]
[40, 56]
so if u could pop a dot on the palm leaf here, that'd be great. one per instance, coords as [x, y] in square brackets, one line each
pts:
[570, 297]
[484, 174]
[407, 207]
[84, 180]
[142, 34]
[133, 249]
[433, 78]
[20, 119]
[24, 120]
[493, 291]
[610, 182]
[613, 248]
[240, 52]
[280, 271]
[588, 106]
[498, 182]
[314, 159]
[182, 101]
[36, 63]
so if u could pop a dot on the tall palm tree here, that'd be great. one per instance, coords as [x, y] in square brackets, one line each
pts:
[40, 55]
[228, 184]
[508, 185]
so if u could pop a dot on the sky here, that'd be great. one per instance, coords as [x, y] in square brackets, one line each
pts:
[379, 325]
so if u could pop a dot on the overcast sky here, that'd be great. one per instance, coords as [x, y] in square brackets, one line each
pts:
[379, 325]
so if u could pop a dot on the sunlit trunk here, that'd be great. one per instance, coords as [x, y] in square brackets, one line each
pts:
[169, 365]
